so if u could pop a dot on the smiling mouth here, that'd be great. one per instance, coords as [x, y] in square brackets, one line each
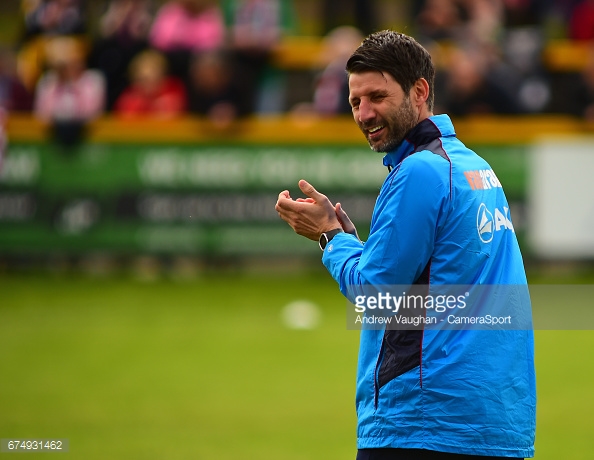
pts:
[375, 129]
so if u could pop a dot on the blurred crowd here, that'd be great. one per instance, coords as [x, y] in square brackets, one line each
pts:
[214, 58]
[493, 59]
[141, 58]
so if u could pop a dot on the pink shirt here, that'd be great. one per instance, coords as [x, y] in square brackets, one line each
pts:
[175, 29]
[82, 99]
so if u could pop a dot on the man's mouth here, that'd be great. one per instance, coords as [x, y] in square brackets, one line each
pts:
[373, 132]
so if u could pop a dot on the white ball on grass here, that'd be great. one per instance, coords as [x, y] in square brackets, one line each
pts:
[301, 314]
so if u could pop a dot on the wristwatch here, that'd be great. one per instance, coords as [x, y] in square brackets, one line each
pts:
[327, 236]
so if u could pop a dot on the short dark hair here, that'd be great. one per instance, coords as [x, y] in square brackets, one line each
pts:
[400, 55]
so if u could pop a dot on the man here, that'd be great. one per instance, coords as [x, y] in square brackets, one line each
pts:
[426, 394]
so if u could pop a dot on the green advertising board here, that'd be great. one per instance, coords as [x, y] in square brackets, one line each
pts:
[187, 199]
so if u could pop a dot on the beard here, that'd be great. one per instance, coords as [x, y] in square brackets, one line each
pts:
[398, 124]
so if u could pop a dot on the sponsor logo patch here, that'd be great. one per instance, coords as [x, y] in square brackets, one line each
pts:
[482, 179]
[487, 222]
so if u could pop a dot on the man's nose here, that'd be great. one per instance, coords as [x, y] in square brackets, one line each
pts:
[366, 112]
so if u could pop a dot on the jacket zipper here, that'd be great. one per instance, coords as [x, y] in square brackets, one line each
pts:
[375, 375]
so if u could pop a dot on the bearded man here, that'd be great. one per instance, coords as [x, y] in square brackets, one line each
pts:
[441, 219]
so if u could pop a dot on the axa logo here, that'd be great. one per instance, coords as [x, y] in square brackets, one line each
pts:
[487, 222]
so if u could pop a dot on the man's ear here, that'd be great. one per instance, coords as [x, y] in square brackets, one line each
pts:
[419, 92]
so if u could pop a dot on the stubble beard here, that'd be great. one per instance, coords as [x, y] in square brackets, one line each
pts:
[398, 124]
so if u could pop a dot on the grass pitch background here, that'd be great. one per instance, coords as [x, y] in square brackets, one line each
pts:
[205, 369]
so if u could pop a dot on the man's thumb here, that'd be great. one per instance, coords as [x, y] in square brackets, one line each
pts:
[345, 222]
[309, 189]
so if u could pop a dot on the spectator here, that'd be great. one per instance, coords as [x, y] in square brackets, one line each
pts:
[13, 94]
[184, 27]
[470, 85]
[53, 17]
[581, 21]
[484, 20]
[68, 95]
[152, 91]
[255, 28]
[331, 92]
[123, 33]
[561, 11]
[44, 19]
[254, 25]
[214, 90]
[521, 48]
[461, 20]
[438, 19]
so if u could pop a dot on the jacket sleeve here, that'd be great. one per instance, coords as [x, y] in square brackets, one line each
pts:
[404, 227]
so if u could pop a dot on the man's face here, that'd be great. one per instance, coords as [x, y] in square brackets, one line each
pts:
[381, 109]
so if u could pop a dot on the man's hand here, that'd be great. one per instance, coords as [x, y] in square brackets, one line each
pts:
[311, 216]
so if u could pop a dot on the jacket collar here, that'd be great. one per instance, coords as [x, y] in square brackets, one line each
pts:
[429, 129]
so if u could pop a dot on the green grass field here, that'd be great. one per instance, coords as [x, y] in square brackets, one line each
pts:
[205, 369]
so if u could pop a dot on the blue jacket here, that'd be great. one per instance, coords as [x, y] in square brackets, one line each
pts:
[441, 218]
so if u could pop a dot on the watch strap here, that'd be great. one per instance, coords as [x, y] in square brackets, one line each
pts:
[326, 237]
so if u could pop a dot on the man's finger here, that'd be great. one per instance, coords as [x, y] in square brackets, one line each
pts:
[283, 198]
[289, 205]
[284, 194]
